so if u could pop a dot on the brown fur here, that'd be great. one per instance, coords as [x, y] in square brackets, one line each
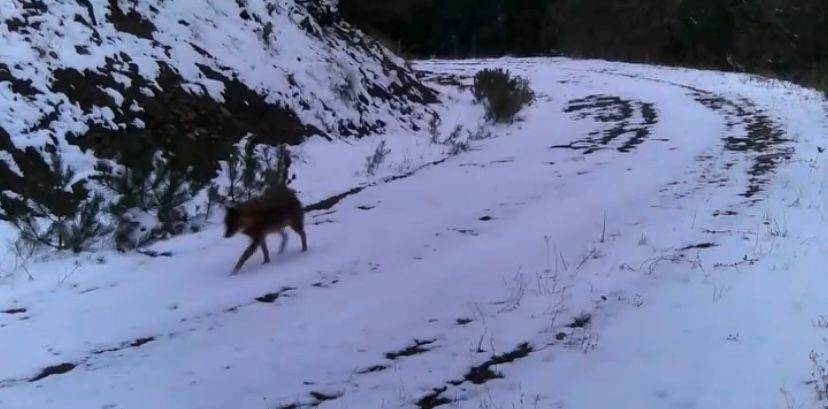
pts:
[270, 213]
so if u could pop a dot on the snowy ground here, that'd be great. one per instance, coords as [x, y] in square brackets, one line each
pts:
[645, 237]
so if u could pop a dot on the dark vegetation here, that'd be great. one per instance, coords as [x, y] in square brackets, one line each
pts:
[785, 38]
[418, 347]
[477, 375]
[54, 370]
[624, 132]
[502, 94]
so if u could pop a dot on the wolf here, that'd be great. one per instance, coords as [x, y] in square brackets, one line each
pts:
[275, 209]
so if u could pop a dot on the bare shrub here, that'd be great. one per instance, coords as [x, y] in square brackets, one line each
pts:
[481, 133]
[455, 143]
[819, 374]
[377, 158]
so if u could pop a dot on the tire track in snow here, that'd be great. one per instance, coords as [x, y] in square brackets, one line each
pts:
[750, 131]
[632, 118]
[198, 323]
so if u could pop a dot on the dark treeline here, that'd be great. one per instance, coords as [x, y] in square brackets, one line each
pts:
[788, 38]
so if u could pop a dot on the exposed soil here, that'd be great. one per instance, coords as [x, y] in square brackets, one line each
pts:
[753, 133]
[270, 298]
[18, 86]
[138, 342]
[476, 375]
[130, 22]
[372, 369]
[418, 347]
[433, 399]
[698, 246]
[626, 131]
[54, 370]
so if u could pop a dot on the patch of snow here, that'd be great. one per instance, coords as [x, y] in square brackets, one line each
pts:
[9, 160]
[696, 296]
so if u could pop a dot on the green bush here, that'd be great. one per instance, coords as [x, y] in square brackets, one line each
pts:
[70, 225]
[251, 171]
[502, 94]
[150, 200]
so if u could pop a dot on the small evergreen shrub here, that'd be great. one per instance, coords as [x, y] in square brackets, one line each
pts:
[151, 200]
[250, 172]
[502, 94]
[74, 232]
[154, 201]
[71, 225]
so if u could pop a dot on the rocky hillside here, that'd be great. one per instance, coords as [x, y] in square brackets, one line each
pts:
[151, 113]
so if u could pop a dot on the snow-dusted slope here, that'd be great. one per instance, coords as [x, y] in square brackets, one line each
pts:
[168, 89]
[333, 77]
[645, 237]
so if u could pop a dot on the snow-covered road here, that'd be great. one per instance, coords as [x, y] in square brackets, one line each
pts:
[643, 237]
